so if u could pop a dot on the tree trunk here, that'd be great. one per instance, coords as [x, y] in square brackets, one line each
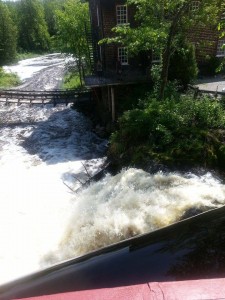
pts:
[165, 66]
[80, 67]
[167, 51]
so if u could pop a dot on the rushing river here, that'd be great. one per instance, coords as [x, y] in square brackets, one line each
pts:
[45, 154]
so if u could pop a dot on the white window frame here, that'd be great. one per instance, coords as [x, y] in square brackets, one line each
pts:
[121, 14]
[156, 58]
[220, 50]
[123, 56]
[194, 5]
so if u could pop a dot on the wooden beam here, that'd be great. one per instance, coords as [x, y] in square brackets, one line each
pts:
[109, 99]
[113, 104]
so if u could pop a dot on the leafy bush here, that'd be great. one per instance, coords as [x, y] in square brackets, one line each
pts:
[71, 81]
[210, 66]
[8, 80]
[172, 129]
[183, 65]
[129, 96]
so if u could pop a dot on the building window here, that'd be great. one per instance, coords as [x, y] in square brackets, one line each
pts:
[123, 55]
[221, 48]
[156, 57]
[121, 14]
[194, 5]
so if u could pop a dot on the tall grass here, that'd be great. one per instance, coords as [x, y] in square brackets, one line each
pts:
[8, 80]
[71, 81]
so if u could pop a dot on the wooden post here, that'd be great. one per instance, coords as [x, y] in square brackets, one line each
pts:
[109, 99]
[113, 104]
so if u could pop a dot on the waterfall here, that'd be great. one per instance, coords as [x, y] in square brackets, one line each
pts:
[131, 203]
[45, 153]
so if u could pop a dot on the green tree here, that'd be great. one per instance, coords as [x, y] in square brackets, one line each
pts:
[8, 36]
[33, 31]
[183, 66]
[73, 22]
[13, 9]
[50, 6]
[221, 28]
[160, 25]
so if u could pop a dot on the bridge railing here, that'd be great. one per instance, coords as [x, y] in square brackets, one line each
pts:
[44, 97]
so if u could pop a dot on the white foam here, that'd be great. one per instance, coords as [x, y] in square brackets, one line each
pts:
[131, 203]
[28, 67]
[42, 155]
[42, 152]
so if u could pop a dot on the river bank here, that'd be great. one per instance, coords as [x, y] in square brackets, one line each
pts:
[8, 80]
[46, 154]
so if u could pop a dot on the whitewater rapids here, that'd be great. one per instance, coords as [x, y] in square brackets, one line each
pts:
[45, 153]
[131, 203]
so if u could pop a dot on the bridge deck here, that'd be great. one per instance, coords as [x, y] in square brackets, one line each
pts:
[42, 97]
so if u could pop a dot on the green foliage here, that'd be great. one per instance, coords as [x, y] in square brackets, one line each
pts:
[73, 22]
[172, 131]
[50, 7]
[33, 31]
[160, 24]
[129, 97]
[41, 25]
[211, 66]
[26, 55]
[71, 81]
[8, 36]
[183, 65]
[8, 80]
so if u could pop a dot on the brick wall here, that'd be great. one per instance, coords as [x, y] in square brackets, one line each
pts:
[205, 39]
[109, 21]
[95, 30]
